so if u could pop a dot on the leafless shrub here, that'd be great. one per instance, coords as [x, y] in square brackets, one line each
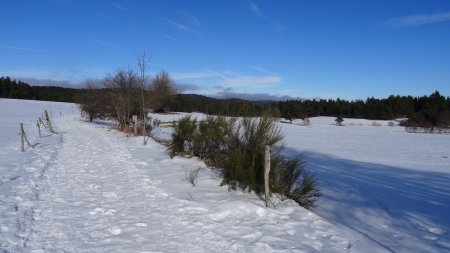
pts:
[123, 89]
[162, 91]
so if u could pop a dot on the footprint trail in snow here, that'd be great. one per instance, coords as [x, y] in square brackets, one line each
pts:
[100, 195]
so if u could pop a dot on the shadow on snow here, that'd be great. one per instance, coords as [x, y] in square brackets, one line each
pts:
[389, 205]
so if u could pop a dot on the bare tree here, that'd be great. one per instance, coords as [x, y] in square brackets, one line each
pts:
[124, 93]
[92, 100]
[162, 91]
[142, 66]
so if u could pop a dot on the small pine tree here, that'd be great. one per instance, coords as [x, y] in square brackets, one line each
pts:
[339, 120]
[183, 134]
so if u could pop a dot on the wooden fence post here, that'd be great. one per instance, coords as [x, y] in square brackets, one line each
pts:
[39, 128]
[266, 176]
[22, 138]
[50, 128]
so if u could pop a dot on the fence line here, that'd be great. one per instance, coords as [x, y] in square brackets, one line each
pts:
[23, 138]
[44, 120]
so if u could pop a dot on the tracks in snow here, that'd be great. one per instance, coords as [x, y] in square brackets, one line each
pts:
[97, 197]
[94, 192]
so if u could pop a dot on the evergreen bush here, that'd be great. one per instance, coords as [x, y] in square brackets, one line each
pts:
[237, 151]
[290, 179]
[339, 120]
[182, 136]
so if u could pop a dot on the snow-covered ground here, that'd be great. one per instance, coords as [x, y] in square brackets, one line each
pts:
[92, 189]
[387, 184]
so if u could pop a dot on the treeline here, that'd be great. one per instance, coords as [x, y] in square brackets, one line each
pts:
[21, 90]
[425, 111]
[432, 110]
[229, 107]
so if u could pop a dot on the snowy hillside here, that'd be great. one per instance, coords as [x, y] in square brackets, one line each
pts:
[92, 189]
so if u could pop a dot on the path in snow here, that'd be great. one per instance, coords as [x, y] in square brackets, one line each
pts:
[98, 197]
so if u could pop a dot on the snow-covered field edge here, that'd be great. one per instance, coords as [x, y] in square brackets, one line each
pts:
[90, 188]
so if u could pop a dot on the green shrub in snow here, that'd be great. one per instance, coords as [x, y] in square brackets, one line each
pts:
[182, 136]
[237, 151]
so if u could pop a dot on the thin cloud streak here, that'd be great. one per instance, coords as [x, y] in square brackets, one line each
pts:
[253, 96]
[275, 25]
[21, 49]
[172, 38]
[195, 75]
[256, 10]
[72, 74]
[229, 79]
[261, 69]
[120, 7]
[251, 81]
[184, 28]
[191, 18]
[416, 20]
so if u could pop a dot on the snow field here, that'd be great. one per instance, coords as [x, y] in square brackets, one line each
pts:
[390, 186]
[91, 189]
[99, 191]
[21, 172]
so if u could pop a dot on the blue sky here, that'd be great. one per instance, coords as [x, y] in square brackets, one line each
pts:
[350, 49]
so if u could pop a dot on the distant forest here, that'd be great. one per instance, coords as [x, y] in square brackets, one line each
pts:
[425, 111]
[20, 90]
[428, 111]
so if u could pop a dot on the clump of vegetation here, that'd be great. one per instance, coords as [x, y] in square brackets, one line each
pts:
[236, 150]
[182, 136]
[244, 168]
[212, 138]
[434, 116]
[290, 179]
[339, 120]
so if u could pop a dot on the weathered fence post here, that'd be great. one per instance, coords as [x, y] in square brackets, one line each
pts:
[50, 128]
[135, 119]
[39, 128]
[266, 176]
[22, 138]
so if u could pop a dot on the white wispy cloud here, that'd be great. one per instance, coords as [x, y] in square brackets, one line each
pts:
[275, 25]
[416, 20]
[184, 28]
[121, 7]
[227, 79]
[191, 18]
[205, 73]
[261, 69]
[172, 38]
[251, 81]
[74, 75]
[21, 48]
[256, 10]
[253, 96]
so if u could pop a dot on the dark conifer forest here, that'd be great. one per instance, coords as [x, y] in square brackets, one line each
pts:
[20, 90]
[425, 111]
